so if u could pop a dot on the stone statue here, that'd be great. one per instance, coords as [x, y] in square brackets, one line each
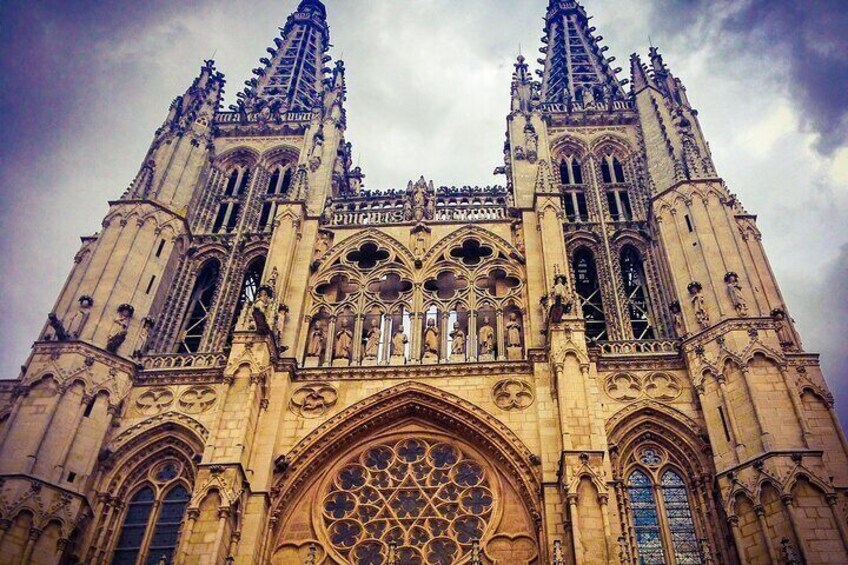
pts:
[458, 345]
[322, 244]
[513, 331]
[486, 338]
[344, 342]
[259, 310]
[118, 332]
[329, 212]
[518, 237]
[431, 340]
[677, 318]
[316, 341]
[80, 317]
[697, 299]
[399, 341]
[372, 340]
[561, 301]
[140, 348]
[531, 142]
[420, 243]
[734, 290]
[785, 335]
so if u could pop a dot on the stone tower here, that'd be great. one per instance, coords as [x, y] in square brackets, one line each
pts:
[259, 361]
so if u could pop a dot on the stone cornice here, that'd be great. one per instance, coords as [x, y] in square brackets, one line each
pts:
[406, 372]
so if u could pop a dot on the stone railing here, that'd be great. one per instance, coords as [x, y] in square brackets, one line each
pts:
[576, 106]
[184, 361]
[238, 117]
[639, 347]
[451, 205]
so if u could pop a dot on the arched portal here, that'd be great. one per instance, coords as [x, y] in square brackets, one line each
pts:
[425, 483]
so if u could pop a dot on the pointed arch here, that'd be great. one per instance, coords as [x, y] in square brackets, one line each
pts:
[345, 246]
[410, 401]
[470, 231]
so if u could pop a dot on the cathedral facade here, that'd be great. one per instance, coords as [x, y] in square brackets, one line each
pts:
[257, 360]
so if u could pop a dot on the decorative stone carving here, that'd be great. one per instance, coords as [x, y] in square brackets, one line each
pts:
[372, 341]
[486, 341]
[785, 334]
[515, 550]
[512, 394]
[513, 338]
[147, 324]
[313, 401]
[698, 305]
[317, 341]
[561, 299]
[458, 344]
[118, 332]
[518, 237]
[154, 401]
[430, 351]
[661, 386]
[677, 319]
[625, 387]
[197, 399]
[734, 291]
[343, 344]
[398, 349]
[329, 212]
[531, 142]
[77, 323]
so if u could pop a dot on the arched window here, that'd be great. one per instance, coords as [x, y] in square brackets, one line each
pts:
[278, 185]
[618, 199]
[199, 308]
[589, 291]
[249, 285]
[635, 295]
[662, 519]
[135, 525]
[151, 526]
[573, 197]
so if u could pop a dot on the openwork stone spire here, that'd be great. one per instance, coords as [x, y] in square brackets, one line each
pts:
[291, 79]
[575, 68]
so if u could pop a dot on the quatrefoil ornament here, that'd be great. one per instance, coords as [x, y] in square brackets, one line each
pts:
[198, 399]
[154, 401]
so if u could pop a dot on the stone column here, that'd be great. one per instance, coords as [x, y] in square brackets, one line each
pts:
[734, 427]
[185, 538]
[69, 442]
[765, 436]
[761, 519]
[51, 413]
[34, 534]
[840, 521]
[796, 405]
[789, 502]
[575, 527]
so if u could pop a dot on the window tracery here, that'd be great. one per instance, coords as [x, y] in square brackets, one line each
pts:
[468, 292]
[588, 289]
[230, 203]
[421, 499]
[573, 195]
[199, 308]
[635, 293]
[279, 183]
[249, 286]
[151, 523]
[618, 197]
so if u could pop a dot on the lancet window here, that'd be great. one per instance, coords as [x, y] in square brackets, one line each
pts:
[635, 293]
[230, 205]
[367, 310]
[199, 308]
[573, 195]
[662, 514]
[249, 285]
[151, 523]
[278, 186]
[618, 199]
[589, 291]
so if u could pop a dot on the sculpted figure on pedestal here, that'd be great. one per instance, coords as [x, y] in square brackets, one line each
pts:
[486, 338]
[372, 340]
[431, 341]
[344, 342]
[734, 290]
[458, 340]
[316, 341]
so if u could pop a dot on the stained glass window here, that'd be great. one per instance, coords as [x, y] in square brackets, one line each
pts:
[646, 521]
[676, 501]
[135, 524]
[649, 522]
[419, 500]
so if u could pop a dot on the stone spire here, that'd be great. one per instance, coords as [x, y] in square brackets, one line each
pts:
[194, 110]
[291, 79]
[575, 68]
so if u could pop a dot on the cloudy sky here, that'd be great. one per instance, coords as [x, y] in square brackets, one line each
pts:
[84, 83]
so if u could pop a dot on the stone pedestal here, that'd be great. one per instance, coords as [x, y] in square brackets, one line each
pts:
[312, 362]
[486, 357]
[514, 353]
[341, 363]
[397, 360]
[430, 359]
[457, 358]
[369, 362]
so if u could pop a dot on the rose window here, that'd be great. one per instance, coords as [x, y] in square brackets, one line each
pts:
[416, 502]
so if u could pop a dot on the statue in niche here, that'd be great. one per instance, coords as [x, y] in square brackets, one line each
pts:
[329, 212]
[140, 348]
[561, 301]
[734, 290]
[458, 345]
[698, 305]
[785, 335]
[372, 340]
[431, 340]
[118, 332]
[518, 236]
[486, 339]
[316, 341]
[260, 310]
[677, 318]
[420, 243]
[531, 142]
[513, 331]
[81, 316]
[399, 341]
[344, 342]
[322, 244]
[513, 337]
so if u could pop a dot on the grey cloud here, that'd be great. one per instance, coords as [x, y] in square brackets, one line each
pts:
[803, 44]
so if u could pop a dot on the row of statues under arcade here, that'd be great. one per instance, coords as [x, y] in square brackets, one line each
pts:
[391, 339]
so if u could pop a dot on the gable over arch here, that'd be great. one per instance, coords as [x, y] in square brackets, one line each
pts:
[405, 402]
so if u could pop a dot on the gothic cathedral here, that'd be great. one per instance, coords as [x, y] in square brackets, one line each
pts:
[258, 361]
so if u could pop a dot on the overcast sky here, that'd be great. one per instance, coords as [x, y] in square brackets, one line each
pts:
[85, 83]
